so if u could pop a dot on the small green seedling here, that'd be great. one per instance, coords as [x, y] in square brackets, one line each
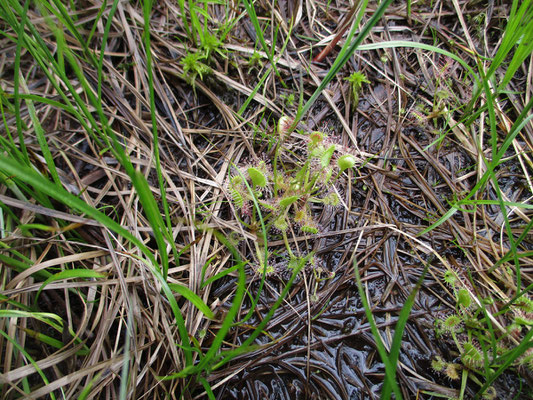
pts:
[356, 80]
[193, 66]
[255, 60]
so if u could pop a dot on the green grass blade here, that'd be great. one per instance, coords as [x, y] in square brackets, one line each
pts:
[525, 233]
[21, 266]
[181, 4]
[6, 300]
[44, 317]
[193, 298]
[345, 48]
[247, 344]
[41, 139]
[250, 9]
[180, 322]
[20, 32]
[343, 58]
[28, 357]
[254, 92]
[450, 213]
[87, 389]
[518, 125]
[390, 369]
[65, 20]
[519, 33]
[147, 7]
[396, 345]
[197, 30]
[31, 177]
[6, 143]
[207, 387]
[222, 274]
[107, 29]
[415, 45]
[234, 309]
[69, 274]
[124, 373]
[151, 210]
[58, 344]
[28, 175]
[508, 359]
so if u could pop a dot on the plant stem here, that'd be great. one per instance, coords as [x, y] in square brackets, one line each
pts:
[286, 241]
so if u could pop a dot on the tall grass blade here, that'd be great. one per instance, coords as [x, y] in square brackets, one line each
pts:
[41, 139]
[28, 357]
[10, 166]
[193, 298]
[107, 29]
[507, 360]
[47, 318]
[343, 58]
[147, 8]
[250, 9]
[519, 33]
[16, 82]
[68, 274]
[247, 344]
[390, 368]
[524, 118]
[235, 306]
[396, 345]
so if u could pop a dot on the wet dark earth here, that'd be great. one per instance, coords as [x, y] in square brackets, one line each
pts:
[334, 355]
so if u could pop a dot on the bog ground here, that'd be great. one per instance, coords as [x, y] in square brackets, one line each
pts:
[281, 200]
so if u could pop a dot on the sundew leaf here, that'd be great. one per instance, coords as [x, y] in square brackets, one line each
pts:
[287, 201]
[237, 197]
[463, 298]
[281, 224]
[310, 229]
[345, 162]
[267, 205]
[257, 177]
[301, 174]
[325, 158]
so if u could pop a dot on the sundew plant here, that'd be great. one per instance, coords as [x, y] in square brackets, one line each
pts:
[281, 195]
